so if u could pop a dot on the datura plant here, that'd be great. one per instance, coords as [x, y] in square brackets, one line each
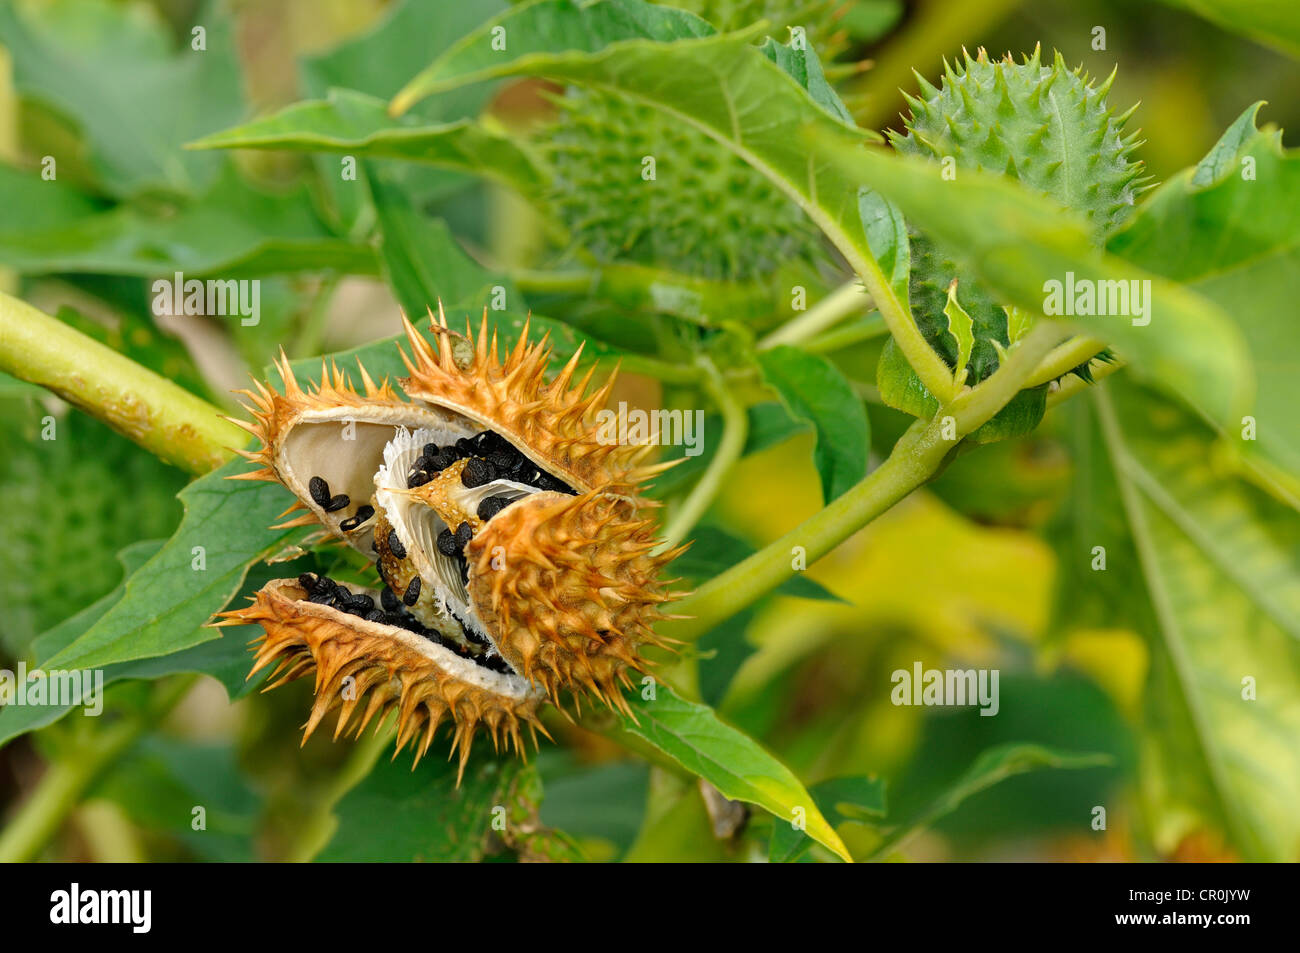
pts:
[581, 333]
[514, 558]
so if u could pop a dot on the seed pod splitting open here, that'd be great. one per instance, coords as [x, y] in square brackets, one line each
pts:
[514, 554]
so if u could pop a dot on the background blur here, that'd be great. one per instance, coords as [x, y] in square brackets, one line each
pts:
[964, 574]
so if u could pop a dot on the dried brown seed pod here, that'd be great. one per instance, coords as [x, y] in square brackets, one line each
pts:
[515, 556]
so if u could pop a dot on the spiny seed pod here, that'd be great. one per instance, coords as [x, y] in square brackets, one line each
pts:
[705, 212]
[1046, 126]
[514, 559]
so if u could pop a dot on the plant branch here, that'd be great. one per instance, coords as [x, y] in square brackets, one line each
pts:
[735, 430]
[917, 457]
[1077, 385]
[1065, 358]
[871, 326]
[165, 419]
[845, 300]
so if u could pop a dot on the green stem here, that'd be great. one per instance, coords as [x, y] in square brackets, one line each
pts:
[1077, 385]
[65, 781]
[917, 457]
[1064, 359]
[312, 333]
[870, 327]
[554, 282]
[845, 300]
[165, 419]
[318, 829]
[735, 430]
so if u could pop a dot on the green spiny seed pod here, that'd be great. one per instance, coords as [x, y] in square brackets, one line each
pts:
[1046, 126]
[634, 185]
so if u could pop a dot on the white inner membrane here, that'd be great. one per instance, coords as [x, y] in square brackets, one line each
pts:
[417, 526]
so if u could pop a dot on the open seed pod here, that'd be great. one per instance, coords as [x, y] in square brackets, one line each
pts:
[513, 554]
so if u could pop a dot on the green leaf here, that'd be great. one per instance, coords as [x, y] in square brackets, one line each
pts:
[1016, 241]
[233, 230]
[168, 601]
[67, 514]
[379, 61]
[959, 326]
[355, 124]
[992, 766]
[693, 736]
[1274, 23]
[900, 388]
[426, 817]
[840, 799]
[423, 262]
[719, 84]
[1220, 564]
[16, 720]
[887, 237]
[814, 390]
[113, 69]
[1230, 231]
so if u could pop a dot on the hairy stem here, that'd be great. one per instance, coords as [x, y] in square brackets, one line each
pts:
[845, 300]
[65, 781]
[165, 419]
[735, 430]
[917, 457]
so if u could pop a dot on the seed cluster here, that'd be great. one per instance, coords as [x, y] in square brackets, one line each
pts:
[490, 456]
[323, 590]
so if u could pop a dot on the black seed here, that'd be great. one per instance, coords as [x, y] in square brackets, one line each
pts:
[420, 463]
[388, 599]
[429, 450]
[464, 533]
[336, 503]
[491, 506]
[320, 490]
[395, 545]
[412, 592]
[307, 581]
[377, 615]
[447, 543]
[363, 603]
[321, 597]
[418, 479]
[352, 522]
[500, 459]
[442, 460]
[477, 472]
